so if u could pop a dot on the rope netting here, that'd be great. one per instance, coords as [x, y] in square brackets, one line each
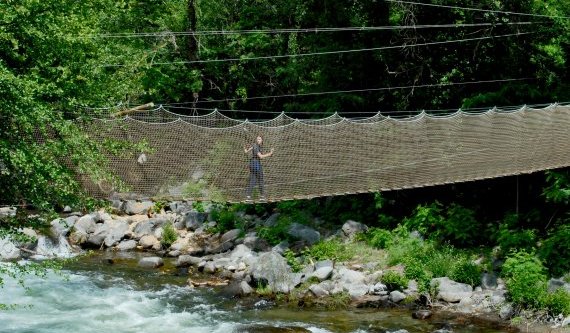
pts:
[205, 158]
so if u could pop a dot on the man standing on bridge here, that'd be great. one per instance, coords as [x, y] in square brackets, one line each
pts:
[255, 168]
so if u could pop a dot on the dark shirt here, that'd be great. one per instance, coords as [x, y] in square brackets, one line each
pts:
[256, 149]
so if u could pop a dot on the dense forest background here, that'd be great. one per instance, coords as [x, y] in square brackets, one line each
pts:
[60, 60]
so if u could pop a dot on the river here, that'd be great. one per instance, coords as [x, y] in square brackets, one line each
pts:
[98, 293]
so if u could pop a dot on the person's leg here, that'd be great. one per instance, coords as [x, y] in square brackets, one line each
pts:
[260, 182]
[252, 180]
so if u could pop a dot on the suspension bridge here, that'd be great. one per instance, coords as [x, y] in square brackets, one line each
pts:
[205, 158]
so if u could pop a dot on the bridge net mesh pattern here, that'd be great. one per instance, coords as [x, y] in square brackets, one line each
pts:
[203, 158]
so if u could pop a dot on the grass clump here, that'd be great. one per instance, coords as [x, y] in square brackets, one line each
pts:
[394, 280]
[331, 249]
[169, 235]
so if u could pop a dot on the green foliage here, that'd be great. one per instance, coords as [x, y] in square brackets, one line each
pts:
[525, 279]
[515, 239]
[226, 218]
[456, 224]
[198, 206]
[558, 190]
[558, 302]
[331, 249]
[555, 251]
[292, 261]
[277, 233]
[169, 235]
[159, 206]
[466, 271]
[394, 280]
[378, 238]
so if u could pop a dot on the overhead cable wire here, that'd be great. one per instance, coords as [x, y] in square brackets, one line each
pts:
[326, 52]
[297, 30]
[477, 9]
[355, 91]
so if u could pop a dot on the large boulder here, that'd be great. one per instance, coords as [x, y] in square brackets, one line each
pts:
[351, 228]
[53, 248]
[98, 236]
[353, 282]
[61, 227]
[127, 245]
[9, 250]
[451, 291]
[304, 233]
[151, 262]
[186, 260]
[132, 207]
[149, 241]
[85, 224]
[194, 220]
[116, 232]
[148, 227]
[271, 269]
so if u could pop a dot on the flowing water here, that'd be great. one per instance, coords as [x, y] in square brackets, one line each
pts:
[97, 294]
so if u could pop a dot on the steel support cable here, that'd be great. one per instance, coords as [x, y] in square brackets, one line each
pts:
[392, 47]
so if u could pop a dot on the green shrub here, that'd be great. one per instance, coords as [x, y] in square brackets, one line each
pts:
[277, 233]
[466, 271]
[394, 280]
[378, 238]
[169, 235]
[456, 224]
[292, 261]
[416, 270]
[425, 219]
[332, 249]
[509, 239]
[555, 251]
[558, 302]
[525, 279]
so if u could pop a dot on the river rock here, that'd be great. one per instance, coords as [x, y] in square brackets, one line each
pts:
[451, 291]
[50, 248]
[230, 236]
[304, 233]
[489, 281]
[272, 220]
[318, 291]
[378, 289]
[210, 267]
[421, 314]
[272, 269]
[61, 227]
[148, 241]
[9, 250]
[96, 238]
[85, 224]
[194, 220]
[323, 273]
[351, 228]
[7, 212]
[397, 296]
[554, 284]
[132, 207]
[151, 262]
[245, 288]
[353, 282]
[117, 231]
[127, 245]
[506, 311]
[180, 244]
